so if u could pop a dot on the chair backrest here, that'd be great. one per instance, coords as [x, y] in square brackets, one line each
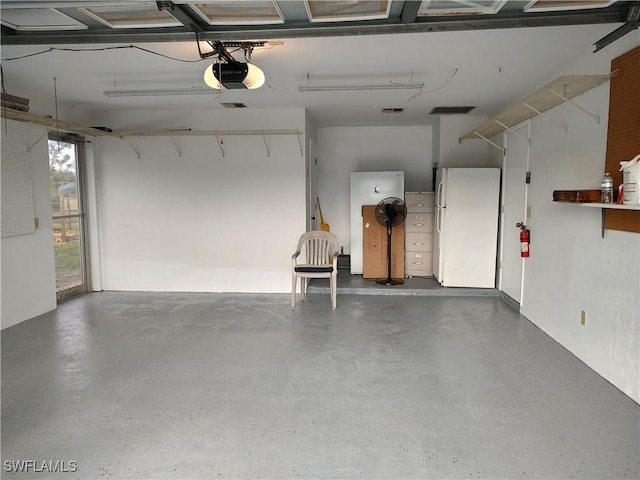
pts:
[320, 245]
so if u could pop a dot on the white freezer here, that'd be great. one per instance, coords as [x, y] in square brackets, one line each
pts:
[466, 226]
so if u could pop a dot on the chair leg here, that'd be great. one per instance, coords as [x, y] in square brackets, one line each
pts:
[333, 286]
[293, 292]
[305, 282]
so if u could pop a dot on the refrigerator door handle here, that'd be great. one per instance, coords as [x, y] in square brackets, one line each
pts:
[439, 195]
[438, 219]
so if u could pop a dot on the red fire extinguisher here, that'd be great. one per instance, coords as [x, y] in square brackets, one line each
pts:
[524, 240]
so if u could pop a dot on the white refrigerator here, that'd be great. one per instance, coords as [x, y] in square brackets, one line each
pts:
[466, 226]
[368, 188]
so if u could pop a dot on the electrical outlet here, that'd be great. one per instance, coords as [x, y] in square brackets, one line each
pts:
[528, 212]
[36, 222]
[583, 318]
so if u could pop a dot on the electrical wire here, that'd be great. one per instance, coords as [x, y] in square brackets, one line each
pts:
[102, 49]
[424, 92]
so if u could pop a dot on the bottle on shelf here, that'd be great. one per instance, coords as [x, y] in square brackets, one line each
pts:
[607, 188]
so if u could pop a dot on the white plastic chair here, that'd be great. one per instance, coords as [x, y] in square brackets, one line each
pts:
[321, 249]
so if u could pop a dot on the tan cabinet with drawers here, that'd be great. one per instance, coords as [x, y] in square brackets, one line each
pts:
[418, 237]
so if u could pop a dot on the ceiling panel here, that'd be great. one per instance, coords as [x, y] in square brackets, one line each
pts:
[132, 16]
[39, 19]
[335, 11]
[563, 5]
[239, 12]
[452, 7]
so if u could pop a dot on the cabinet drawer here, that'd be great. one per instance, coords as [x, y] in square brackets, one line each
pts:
[418, 241]
[419, 202]
[418, 261]
[419, 222]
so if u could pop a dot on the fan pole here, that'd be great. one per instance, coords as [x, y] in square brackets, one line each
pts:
[389, 280]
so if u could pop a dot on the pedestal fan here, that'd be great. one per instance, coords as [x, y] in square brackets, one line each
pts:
[390, 212]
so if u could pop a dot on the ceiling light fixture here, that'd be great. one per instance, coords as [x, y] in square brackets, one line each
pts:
[383, 86]
[232, 74]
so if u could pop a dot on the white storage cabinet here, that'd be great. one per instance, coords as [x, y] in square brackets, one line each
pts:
[418, 236]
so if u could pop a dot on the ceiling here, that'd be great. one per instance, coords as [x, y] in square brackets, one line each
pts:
[436, 53]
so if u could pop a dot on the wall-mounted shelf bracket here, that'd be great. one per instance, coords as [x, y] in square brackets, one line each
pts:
[300, 143]
[604, 207]
[266, 145]
[45, 134]
[511, 130]
[489, 141]
[131, 145]
[176, 145]
[220, 141]
[579, 107]
[564, 127]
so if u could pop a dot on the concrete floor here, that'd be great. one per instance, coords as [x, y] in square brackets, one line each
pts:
[160, 385]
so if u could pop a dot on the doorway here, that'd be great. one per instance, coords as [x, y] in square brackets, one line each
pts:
[66, 167]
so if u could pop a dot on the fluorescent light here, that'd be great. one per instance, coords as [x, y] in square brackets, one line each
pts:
[384, 86]
[152, 92]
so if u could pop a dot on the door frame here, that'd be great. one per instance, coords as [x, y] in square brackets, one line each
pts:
[81, 179]
[524, 127]
[312, 186]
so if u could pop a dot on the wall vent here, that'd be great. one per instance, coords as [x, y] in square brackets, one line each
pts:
[393, 110]
[450, 110]
[233, 105]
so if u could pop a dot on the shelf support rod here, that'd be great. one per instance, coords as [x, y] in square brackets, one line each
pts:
[176, 145]
[509, 129]
[489, 141]
[300, 143]
[41, 137]
[604, 217]
[564, 127]
[579, 107]
[266, 145]
[220, 144]
[131, 145]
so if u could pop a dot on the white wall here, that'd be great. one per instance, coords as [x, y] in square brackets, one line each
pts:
[202, 222]
[28, 286]
[469, 153]
[571, 267]
[342, 150]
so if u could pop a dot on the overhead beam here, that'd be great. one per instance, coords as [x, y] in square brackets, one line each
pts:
[410, 11]
[183, 14]
[302, 30]
[632, 22]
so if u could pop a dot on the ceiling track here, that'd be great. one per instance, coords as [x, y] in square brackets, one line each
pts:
[300, 30]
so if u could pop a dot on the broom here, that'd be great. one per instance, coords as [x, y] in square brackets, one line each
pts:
[323, 226]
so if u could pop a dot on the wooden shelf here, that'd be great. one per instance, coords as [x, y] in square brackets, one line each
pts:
[561, 90]
[52, 123]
